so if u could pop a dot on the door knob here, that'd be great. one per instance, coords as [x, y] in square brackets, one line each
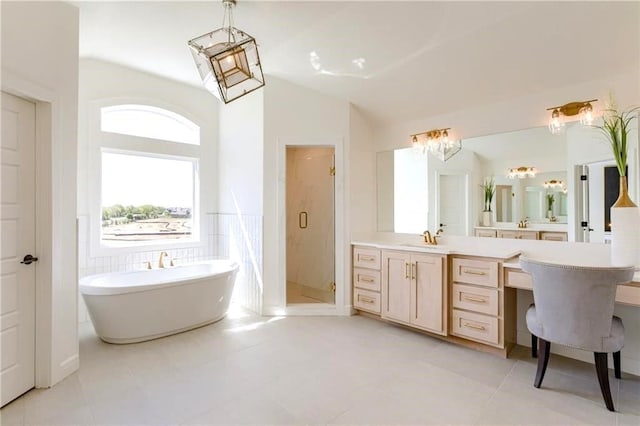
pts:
[28, 259]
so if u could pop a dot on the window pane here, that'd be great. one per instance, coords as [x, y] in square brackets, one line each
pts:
[146, 198]
[149, 122]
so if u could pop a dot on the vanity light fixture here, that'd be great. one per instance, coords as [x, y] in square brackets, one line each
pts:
[522, 172]
[437, 143]
[583, 108]
[227, 59]
[553, 183]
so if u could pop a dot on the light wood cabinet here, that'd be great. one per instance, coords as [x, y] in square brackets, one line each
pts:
[553, 236]
[366, 279]
[517, 234]
[413, 289]
[478, 301]
[486, 233]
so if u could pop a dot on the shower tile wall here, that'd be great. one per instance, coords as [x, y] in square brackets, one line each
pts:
[224, 239]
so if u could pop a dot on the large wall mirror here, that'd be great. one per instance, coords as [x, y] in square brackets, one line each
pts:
[407, 185]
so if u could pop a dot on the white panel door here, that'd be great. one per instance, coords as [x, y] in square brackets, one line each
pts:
[17, 233]
[452, 208]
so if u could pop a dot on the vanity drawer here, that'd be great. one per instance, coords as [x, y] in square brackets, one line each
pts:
[366, 258]
[476, 299]
[517, 279]
[366, 278]
[471, 271]
[366, 300]
[475, 326]
[553, 236]
[486, 233]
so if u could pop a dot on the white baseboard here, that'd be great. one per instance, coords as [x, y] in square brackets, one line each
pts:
[66, 368]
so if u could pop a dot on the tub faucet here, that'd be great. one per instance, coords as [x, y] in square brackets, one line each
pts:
[161, 260]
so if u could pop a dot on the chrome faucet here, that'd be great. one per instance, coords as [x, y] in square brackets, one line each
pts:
[161, 260]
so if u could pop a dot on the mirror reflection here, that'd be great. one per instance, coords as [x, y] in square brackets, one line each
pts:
[403, 181]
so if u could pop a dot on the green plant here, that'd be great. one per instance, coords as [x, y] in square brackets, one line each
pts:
[550, 200]
[615, 127]
[489, 188]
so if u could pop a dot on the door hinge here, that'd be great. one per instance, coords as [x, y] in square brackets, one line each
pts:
[333, 287]
[332, 171]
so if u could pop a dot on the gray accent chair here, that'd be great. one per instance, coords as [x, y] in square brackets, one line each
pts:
[573, 306]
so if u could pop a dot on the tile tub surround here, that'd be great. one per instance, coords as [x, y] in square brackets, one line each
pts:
[364, 372]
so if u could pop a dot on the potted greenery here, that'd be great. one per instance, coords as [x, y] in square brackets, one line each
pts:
[625, 217]
[489, 189]
[550, 200]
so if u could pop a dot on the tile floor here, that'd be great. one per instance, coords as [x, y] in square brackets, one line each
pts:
[248, 369]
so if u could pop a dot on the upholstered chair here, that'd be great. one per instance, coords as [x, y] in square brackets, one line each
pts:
[573, 306]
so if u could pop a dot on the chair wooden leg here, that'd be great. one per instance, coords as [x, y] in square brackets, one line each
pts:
[534, 346]
[543, 359]
[616, 364]
[603, 378]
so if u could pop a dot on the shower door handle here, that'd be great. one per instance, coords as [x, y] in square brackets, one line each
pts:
[302, 220]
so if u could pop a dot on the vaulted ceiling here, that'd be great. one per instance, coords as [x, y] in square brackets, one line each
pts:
[416, 58]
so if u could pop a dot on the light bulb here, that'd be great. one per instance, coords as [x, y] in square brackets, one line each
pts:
[586, 115]
[556, 125]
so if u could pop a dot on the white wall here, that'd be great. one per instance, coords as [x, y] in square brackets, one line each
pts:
[40, 63]
[297, 116]
[240, 184]
[361, 179]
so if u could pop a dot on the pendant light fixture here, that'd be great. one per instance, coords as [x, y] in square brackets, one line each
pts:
[227, 59]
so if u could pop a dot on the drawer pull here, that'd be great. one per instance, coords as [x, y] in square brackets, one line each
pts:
[474, 299]
[366, 299]
[366, 279]
[472, 272]
[366, 258]
[475, 327]
[406, 270]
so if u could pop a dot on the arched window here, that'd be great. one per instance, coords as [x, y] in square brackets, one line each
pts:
[148, 185]
[149, 122]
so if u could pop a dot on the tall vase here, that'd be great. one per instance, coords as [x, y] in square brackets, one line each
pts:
[625, 229]
[486, 218]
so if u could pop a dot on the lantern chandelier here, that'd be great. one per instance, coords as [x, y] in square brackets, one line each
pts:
[437, 143]
[522, 172]
[227, 59]
[583, 108]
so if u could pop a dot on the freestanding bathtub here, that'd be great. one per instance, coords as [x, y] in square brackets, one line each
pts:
[129, 307]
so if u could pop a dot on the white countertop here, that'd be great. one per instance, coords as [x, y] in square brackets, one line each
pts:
[415, 243]
[568, 253]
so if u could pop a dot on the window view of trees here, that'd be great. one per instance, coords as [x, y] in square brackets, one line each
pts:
[146, 222]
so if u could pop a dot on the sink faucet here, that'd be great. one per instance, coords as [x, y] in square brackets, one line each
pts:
[161, 260]
[431, 239]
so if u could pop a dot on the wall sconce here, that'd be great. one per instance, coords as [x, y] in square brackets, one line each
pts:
[437, 143]
[522, 172]
[227, 59]
[584, 108]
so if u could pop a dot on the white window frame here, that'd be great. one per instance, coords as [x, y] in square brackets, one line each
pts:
[136, 145]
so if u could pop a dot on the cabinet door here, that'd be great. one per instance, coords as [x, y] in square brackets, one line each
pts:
[427, 292]
[396, 286]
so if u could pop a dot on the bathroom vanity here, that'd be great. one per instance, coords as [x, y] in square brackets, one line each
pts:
[463, 291]
[537, 233]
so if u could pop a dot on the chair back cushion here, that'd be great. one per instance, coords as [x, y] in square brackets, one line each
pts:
[574, 304]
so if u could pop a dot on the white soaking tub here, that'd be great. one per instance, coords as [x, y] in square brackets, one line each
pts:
[129, 307]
